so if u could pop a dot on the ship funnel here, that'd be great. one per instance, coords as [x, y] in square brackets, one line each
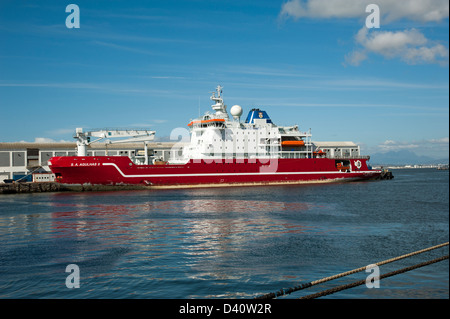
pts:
[257, 114]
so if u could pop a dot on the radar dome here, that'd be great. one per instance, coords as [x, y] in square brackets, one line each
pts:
[236, 111]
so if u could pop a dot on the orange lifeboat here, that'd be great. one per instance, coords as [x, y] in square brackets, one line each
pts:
[206, 121]
[293, 143]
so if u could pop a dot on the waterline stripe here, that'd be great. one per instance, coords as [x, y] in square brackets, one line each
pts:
[233, 174]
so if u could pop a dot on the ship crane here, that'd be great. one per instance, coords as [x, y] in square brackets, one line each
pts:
[84, 139]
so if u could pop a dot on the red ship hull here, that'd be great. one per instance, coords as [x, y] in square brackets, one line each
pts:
[120, 170]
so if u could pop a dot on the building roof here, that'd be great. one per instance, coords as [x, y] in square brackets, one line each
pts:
[73, 146]
[335, 144]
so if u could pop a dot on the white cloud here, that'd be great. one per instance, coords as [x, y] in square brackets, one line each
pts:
[356, 57]
[123, 47]
[435, 54]
[430, 146]
[444, 140]
[411, 46]
[417, 10]
[49, 140]
[44, 140]
[390, 145]
[62, 131]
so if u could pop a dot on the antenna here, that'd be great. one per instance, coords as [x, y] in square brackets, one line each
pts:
[219, 107]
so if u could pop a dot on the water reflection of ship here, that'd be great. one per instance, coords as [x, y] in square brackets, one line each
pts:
[88, 220]
[241, 206]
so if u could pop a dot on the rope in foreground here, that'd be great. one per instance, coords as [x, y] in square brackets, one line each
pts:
[283, 292]
[362, 282]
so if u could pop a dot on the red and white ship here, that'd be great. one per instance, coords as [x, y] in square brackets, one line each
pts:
[221, 151]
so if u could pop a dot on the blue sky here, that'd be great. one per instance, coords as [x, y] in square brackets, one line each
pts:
[153, 64]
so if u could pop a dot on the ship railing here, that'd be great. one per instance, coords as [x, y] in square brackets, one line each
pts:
[367, 157]
[295, 154]
[307, 154]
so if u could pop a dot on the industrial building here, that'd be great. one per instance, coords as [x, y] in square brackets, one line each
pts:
[28, 161]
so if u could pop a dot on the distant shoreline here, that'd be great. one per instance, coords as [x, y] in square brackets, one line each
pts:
[416, 166]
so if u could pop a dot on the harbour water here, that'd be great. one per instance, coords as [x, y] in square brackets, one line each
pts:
[227, 242]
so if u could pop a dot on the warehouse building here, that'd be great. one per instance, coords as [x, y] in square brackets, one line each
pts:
[24, 161]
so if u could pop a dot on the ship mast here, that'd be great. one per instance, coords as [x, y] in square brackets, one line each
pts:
[219, 107]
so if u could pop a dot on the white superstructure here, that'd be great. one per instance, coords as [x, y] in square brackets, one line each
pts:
[217, 136]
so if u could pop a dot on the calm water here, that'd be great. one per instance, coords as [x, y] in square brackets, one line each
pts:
[226, 242]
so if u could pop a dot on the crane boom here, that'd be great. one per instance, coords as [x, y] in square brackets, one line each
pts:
[84, 138]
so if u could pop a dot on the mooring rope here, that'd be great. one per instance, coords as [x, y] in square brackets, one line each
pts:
[316, 282]
[362, 282]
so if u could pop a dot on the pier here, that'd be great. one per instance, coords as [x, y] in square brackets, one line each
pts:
[31, 187]
[38, 187]
[385, 174]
